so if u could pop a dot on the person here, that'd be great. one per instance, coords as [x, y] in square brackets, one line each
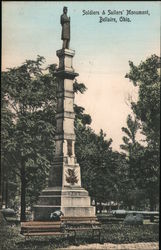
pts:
[65, 22]
[56, 215]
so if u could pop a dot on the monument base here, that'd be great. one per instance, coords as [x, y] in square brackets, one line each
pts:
[72, 201]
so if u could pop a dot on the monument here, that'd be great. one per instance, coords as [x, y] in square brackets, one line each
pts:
[64, 191]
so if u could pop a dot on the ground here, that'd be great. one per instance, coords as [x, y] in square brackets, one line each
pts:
[132, 246]
[113, 234]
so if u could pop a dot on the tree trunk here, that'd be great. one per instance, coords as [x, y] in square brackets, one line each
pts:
[23, 193]
[129, 206]
[1, 187]
[152, 205]
[100, 207]
[96, 207]
[6, 203]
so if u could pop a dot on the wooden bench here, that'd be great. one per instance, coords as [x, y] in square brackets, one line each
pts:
[68, 226]
[81, 224]
[43, 228]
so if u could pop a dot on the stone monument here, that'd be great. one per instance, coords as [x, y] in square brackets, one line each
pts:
[64, 191]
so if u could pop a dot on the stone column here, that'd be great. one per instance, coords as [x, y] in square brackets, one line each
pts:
[64, 190]
[65, 135]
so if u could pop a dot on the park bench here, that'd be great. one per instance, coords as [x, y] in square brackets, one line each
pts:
[43, 228]
[68, 227]
[81, 224]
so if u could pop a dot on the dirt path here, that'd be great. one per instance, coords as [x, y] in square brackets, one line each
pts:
[134, 246]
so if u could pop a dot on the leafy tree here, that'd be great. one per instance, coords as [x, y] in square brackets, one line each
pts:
[133, 155]
[28, 145]
[97, 161]
[130, 142]
[131, 147]
[147, 109]
[101, 167]
[7, 128]
[146, 78]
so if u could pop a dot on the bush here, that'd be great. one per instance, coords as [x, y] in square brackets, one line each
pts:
[134, 220]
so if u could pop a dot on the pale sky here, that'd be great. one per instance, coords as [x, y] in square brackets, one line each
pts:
[102, 49]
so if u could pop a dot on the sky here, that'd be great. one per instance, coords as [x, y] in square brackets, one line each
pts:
[102, 49]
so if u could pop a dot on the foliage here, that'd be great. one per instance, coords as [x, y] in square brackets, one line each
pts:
[147, 109]
[101, 167]
[134, 220]
[131, 175]
[98, 162]
[79, 87]
[146, 78]
[129, 140]
[28, 127]
[81, 117]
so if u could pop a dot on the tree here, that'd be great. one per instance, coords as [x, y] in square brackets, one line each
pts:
[97, 161]
[30, 98]
[7, 128]
[133, 156]
[130, 142]
[147, 109]
[146, 78]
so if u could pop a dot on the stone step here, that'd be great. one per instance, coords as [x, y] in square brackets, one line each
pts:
[64, 200]
[42, 212]
[65, 191]
[84, 211]
[67, 218]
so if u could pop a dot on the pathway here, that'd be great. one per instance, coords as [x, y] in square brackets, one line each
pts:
[133, 246]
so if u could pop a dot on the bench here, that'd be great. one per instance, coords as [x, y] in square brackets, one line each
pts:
[81, 224]
[67, 226]
[43, 228]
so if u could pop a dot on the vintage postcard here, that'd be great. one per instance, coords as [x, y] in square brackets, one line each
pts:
[80, 123]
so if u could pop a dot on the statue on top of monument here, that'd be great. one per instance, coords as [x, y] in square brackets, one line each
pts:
[65, 22]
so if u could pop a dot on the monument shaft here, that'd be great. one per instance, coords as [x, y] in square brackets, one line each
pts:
[65, 161]
[64, 191]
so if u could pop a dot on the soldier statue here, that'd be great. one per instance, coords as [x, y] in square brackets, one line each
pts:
[65, 22]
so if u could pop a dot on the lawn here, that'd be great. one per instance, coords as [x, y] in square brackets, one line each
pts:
[113, 233]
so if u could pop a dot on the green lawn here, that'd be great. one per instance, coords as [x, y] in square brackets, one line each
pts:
[113, 233]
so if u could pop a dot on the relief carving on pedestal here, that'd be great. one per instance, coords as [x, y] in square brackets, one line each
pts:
[71, 176]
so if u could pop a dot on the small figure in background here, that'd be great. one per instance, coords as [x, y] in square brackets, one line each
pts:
[56, 216]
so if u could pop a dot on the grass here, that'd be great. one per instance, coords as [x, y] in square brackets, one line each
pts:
[113, 233]
[120, 233]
